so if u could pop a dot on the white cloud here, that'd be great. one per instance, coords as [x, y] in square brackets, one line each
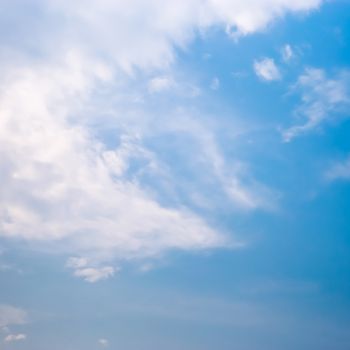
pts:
[103, 342]
[141, 32]
[63, 185]
[266, 69]
[60, 185]
[339, 171]
[233, 179]
[10, 315]
[77, 263]
[93, 274]
[15, 337]
[323, 98]
[287, 53]
[82, 268]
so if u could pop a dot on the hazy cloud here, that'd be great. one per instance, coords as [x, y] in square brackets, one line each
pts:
[10, 315]
[159, 84]
[266, 69]
[323, 99]
[339, 171]
[287, 53]
[103, 342]
[15, 337]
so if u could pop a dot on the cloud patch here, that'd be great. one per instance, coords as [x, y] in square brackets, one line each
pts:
[339, 171]
[324, 99]
[82, 268]
[15, 338]
[266, 69]
[287, 53]
[62, 185]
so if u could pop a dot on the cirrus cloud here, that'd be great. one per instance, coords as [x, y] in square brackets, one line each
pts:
[323, 99]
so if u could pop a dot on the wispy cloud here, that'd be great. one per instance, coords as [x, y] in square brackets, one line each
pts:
[339, 171]
[287, 53]
[323, 99]
[82, 268]
[15, 337]
[93, 274]
[266, 69]
[10, 315]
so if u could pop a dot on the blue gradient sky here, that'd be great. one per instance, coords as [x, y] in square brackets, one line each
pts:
[169, 183]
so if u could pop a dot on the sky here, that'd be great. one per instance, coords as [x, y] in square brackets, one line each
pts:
[175, 175]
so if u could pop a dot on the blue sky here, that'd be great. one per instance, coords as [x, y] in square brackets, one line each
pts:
[175, 176]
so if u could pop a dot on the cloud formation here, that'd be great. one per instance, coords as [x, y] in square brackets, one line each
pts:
[15, 337]
[90, 274]
[63, 185]
[287, 53]
[339, 171]
[323, 99]
[140, 33]
[143, 32]
[266, 69]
